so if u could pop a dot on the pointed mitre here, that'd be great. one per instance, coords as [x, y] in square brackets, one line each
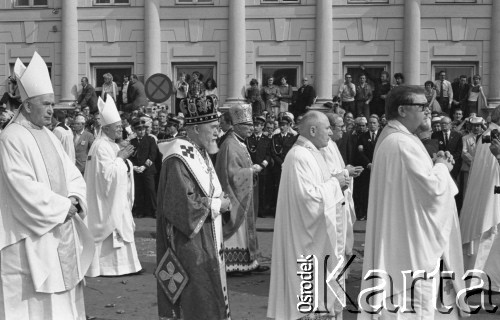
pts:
[107, 110]
[33, 80]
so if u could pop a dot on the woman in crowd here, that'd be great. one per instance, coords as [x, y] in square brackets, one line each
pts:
[475, 91]
[181, 90]
[364, 95]
[109, 87]
[271, 95]
[211, 88]
[254, 97]
[12, 97]
[286, 92]
[430, 94]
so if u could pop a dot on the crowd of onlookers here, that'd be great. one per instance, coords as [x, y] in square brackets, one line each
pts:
[277, 109]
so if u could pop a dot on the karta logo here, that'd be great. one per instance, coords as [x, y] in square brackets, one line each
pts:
[322, 286]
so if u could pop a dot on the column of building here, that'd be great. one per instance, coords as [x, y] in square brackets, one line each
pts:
[494, 84]
[236, 56]
[152, 38]
[323, 61]
[411, 44]
[69, 52]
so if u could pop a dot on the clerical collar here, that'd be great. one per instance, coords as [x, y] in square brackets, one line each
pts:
[258, 135]
[306, 143]
[21, 119]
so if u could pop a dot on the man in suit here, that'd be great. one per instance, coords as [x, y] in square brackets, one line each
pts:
[136, 95]
[281, 143]
[460, 94]
[365, 148]
[259, 147]
[451, 141]
[144, 171]
[444, 92]
[83, 141]
[87, 98]
[305, 98]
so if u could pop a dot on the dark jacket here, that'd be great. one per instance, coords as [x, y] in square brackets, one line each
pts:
[144, 150]
[280, 147]
[260, 150]
[305, 98]
[365, 148]
[82, 148]
[88, 98]
[454, 146]
[136, 94]
[460, 94]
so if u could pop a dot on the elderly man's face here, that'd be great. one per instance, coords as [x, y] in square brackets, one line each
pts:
[445, 124]
[338, 130]
[373, 124]
[40, 109]
[114, 130]
[322, 133]
[208, 134]
[78, 124]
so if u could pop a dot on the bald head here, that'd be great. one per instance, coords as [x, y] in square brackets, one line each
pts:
[333, 118]
[315, 127]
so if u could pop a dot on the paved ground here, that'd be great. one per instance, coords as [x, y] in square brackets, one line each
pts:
[134, 297]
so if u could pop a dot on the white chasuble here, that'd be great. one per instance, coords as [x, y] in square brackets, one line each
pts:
[305, 225]
[37, 177]
[412, 222]
[480, 215]
[110, 195]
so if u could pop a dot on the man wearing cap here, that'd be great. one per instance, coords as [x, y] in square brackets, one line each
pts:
[110, 192]
[144, 171]
[480, 215]
[87, 97]
[171, 129]
[189, 223]
[305, 97]
[436, 124]
[45, 247]
[282, 142]
[412, 224]
[306, 224]
[239, 178]
[469, 144]
[259, 146]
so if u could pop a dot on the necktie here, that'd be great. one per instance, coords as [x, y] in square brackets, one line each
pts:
[441, 93]
[446, 139]
[373, 137]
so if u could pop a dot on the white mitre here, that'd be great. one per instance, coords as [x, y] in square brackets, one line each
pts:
[107, 110]
[33, 80]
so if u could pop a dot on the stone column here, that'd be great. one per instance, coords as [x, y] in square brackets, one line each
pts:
[236, 56]
[323, 61]
[152, 38]
[494, 85]
[69, 53]
[411, 47]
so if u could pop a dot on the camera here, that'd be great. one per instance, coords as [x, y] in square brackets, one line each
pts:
[495, 134]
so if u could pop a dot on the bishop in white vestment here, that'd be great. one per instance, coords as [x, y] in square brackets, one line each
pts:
[412, 218]
[480, 215]
[305, 225]
[110, 194]
[45, 248]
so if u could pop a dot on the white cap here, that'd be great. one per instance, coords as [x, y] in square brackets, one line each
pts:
[33, 80]
[107, 110]
[436, 119]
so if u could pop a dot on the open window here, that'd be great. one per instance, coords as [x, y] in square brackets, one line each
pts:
[116, 70]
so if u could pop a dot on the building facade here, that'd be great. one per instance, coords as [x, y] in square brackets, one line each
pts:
[234, 41]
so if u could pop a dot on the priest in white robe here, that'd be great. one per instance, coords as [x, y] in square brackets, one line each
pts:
[45, 247]
[480, 215]
[412, 218]
[64, 134]
[110, 193]
[306, 224]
